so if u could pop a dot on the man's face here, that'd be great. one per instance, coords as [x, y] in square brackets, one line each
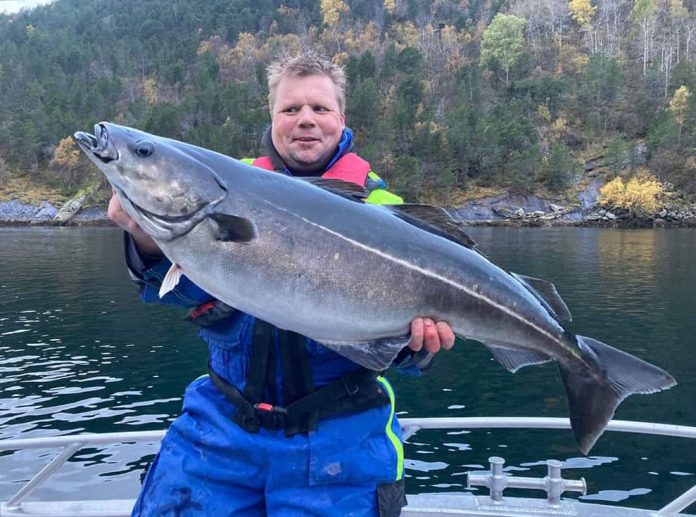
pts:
[307, 121]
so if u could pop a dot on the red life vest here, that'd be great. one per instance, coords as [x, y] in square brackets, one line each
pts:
[349, 167]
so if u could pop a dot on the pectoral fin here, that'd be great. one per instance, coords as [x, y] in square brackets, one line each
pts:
[171, 279]
[231, 228]
[375, 355]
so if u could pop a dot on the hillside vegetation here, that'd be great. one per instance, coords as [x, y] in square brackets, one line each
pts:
[446, 97]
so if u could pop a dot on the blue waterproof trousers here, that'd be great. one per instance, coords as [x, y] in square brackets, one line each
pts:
[208, 466]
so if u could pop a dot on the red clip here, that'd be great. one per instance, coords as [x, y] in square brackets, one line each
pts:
[201, 309]
[264, 406]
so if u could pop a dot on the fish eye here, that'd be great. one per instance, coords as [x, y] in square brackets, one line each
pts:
[144, 149]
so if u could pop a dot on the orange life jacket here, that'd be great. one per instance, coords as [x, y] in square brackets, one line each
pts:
[349, 167]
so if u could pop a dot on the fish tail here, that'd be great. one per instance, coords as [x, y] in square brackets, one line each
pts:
[607, 377]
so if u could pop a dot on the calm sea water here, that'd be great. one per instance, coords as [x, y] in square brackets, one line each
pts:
[80, 353]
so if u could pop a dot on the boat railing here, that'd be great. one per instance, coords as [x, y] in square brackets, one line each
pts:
[494, 480]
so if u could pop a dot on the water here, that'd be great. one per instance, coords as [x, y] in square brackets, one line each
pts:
[80, 353]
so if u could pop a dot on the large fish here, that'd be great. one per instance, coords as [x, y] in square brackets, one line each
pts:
[309, 256]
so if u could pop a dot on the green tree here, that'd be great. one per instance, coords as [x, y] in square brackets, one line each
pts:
[523, 169]
[503, 43]
[364, 106]
[619, 155]
[598, 94]
[560, 168]
[408, 177]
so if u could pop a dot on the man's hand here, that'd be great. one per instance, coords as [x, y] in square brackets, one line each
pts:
[142, 240]
[433, 336]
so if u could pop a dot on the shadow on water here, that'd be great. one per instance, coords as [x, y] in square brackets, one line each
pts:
[80, 353]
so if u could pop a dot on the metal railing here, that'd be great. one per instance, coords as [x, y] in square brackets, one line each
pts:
[495, 480]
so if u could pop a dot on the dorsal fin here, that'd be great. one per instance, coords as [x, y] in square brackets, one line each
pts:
[546, 293]
[345, 189]
[433, 219]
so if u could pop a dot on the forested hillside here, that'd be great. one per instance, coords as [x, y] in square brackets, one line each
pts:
[444, 95]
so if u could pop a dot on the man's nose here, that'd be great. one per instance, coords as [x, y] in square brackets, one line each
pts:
[306, 118]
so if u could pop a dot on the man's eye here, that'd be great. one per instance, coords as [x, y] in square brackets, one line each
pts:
[321, 108]
[290, 110]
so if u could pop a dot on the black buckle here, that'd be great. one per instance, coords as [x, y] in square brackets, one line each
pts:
[350, 390]
[265, 407]
[270, 416]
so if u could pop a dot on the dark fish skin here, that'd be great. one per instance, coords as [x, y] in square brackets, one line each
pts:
[350, 275]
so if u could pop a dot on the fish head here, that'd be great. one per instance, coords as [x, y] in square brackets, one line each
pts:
[164, 185]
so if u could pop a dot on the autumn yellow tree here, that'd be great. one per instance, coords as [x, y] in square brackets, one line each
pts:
[642, 192]
[150, 91]
[678, 106]
[331, 11]
[582, 12]
[67, 160]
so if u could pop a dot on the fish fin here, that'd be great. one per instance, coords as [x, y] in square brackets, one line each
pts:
[233, 228]
[547, 294]
[433, 219]
[345, 189]
[376, 355]
[513, 359]
[595, 391]
[171, 279]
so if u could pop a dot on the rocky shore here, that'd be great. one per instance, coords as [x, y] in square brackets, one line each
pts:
[503, 210]
[16, 213]
[507, 210]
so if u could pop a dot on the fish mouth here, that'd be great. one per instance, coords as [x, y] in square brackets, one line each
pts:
[99, 144]
[166, 227]
[158, 219]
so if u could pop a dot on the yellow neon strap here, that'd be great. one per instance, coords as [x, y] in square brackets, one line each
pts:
[379, 196]
[398, 446]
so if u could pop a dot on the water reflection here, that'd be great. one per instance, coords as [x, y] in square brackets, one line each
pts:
[79, 353]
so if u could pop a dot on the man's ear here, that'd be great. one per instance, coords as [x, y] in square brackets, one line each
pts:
[343, 120]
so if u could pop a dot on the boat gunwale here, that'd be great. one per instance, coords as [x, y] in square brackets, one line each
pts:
[75, 442]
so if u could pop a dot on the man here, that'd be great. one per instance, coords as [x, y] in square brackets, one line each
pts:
[281, 425]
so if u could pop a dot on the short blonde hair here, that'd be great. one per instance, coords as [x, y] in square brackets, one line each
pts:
[306, 63]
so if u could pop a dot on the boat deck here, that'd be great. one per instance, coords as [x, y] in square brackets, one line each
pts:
[496, 503]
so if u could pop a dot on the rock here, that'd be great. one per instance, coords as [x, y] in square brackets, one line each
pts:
[519, 212]
[68, 211]
[640, 154]
[74, 205]
[15, 210]
[659, 223]
[610, 216]
[537, 213]
[503, 212]
[556, 208]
